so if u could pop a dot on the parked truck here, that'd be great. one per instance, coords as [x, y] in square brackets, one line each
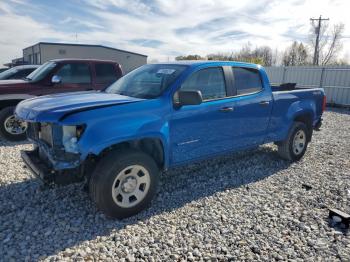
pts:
[17, 72]
[160, 116]
[56, 76]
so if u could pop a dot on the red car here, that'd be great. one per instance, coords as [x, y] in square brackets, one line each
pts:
[55, 76]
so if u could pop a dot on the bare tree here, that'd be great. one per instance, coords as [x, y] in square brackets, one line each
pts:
[189, 57]
[329, 43]
[334, 45]
[296, 55]
[265, 54]
[220, 56]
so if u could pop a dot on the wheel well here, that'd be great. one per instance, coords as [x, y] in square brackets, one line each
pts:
[7, 103]
[307, 120]
[150, 146]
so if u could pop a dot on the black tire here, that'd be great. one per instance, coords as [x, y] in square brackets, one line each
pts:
[4, 114]
[285, 148]
[105, 174]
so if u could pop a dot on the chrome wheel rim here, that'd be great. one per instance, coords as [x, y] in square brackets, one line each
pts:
[14, 126]
[299, 142]
[130, 186]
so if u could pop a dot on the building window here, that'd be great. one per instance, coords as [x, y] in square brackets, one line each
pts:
[62, 51]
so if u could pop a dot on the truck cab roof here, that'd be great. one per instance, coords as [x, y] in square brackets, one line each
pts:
[212, 62]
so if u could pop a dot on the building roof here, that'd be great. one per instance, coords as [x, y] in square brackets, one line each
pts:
[83, 59]
[87, 45]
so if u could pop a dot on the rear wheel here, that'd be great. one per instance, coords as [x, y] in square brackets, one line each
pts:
[11, 128]
[124, 183]
[294, 147]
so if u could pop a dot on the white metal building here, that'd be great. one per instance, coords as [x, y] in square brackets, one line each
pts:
[44, 51]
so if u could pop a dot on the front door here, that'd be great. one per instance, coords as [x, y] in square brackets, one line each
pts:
[75, 76]
[205, 129]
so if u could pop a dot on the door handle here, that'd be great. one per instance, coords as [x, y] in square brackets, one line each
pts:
[264, 103]
[226, 109]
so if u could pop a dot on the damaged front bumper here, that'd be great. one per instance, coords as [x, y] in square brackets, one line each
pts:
[59, 172]
[49, 160]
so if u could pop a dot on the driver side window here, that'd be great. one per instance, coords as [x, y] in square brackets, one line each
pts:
[75, 73]
[210, 81]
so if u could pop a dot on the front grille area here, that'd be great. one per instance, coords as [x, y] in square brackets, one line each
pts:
[45, 133]
[33, 131]
[40, 131]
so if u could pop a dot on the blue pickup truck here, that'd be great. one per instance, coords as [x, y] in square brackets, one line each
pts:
[160, 116]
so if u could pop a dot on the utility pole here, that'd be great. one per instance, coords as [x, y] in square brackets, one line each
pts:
[317, 32]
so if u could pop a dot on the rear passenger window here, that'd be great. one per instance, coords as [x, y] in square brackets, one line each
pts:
[75, 73]
[246, 80]
[105, 73]
[209, 81]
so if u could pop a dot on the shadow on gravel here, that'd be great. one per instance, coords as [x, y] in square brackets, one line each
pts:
[37, 223]
[8, 143]
[339, 110]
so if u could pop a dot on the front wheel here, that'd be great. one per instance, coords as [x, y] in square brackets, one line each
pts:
[295, 145]
[124, 183]
[11, 128]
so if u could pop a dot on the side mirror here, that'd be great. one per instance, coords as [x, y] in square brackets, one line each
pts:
[185, 98]
[56, 79]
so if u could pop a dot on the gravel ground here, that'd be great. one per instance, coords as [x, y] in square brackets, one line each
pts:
[246, 206]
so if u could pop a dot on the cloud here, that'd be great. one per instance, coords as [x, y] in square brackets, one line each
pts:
[164, 29]
[70, 21]
[147, 42]
[19, 31]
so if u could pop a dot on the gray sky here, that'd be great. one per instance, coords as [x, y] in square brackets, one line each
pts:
[165, 29]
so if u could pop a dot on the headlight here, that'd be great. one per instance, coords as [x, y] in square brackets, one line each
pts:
[71, 136]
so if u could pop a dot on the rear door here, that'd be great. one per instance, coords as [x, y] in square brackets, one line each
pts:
[105, 74]
[252, 102]
[75, 76]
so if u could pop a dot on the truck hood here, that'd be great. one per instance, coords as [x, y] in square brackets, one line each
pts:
[53, 108]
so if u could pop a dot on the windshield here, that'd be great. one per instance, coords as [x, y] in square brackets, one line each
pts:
[39, 73]
[148, 81]
[8, 73]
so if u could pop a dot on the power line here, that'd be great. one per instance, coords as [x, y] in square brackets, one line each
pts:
[317, 32]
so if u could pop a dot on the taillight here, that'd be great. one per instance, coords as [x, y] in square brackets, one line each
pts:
[324, 103]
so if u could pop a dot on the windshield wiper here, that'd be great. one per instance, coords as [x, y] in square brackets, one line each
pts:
[27, 78]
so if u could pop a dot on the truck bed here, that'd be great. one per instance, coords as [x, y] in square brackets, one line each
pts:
[289, 102]
[287, 87]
